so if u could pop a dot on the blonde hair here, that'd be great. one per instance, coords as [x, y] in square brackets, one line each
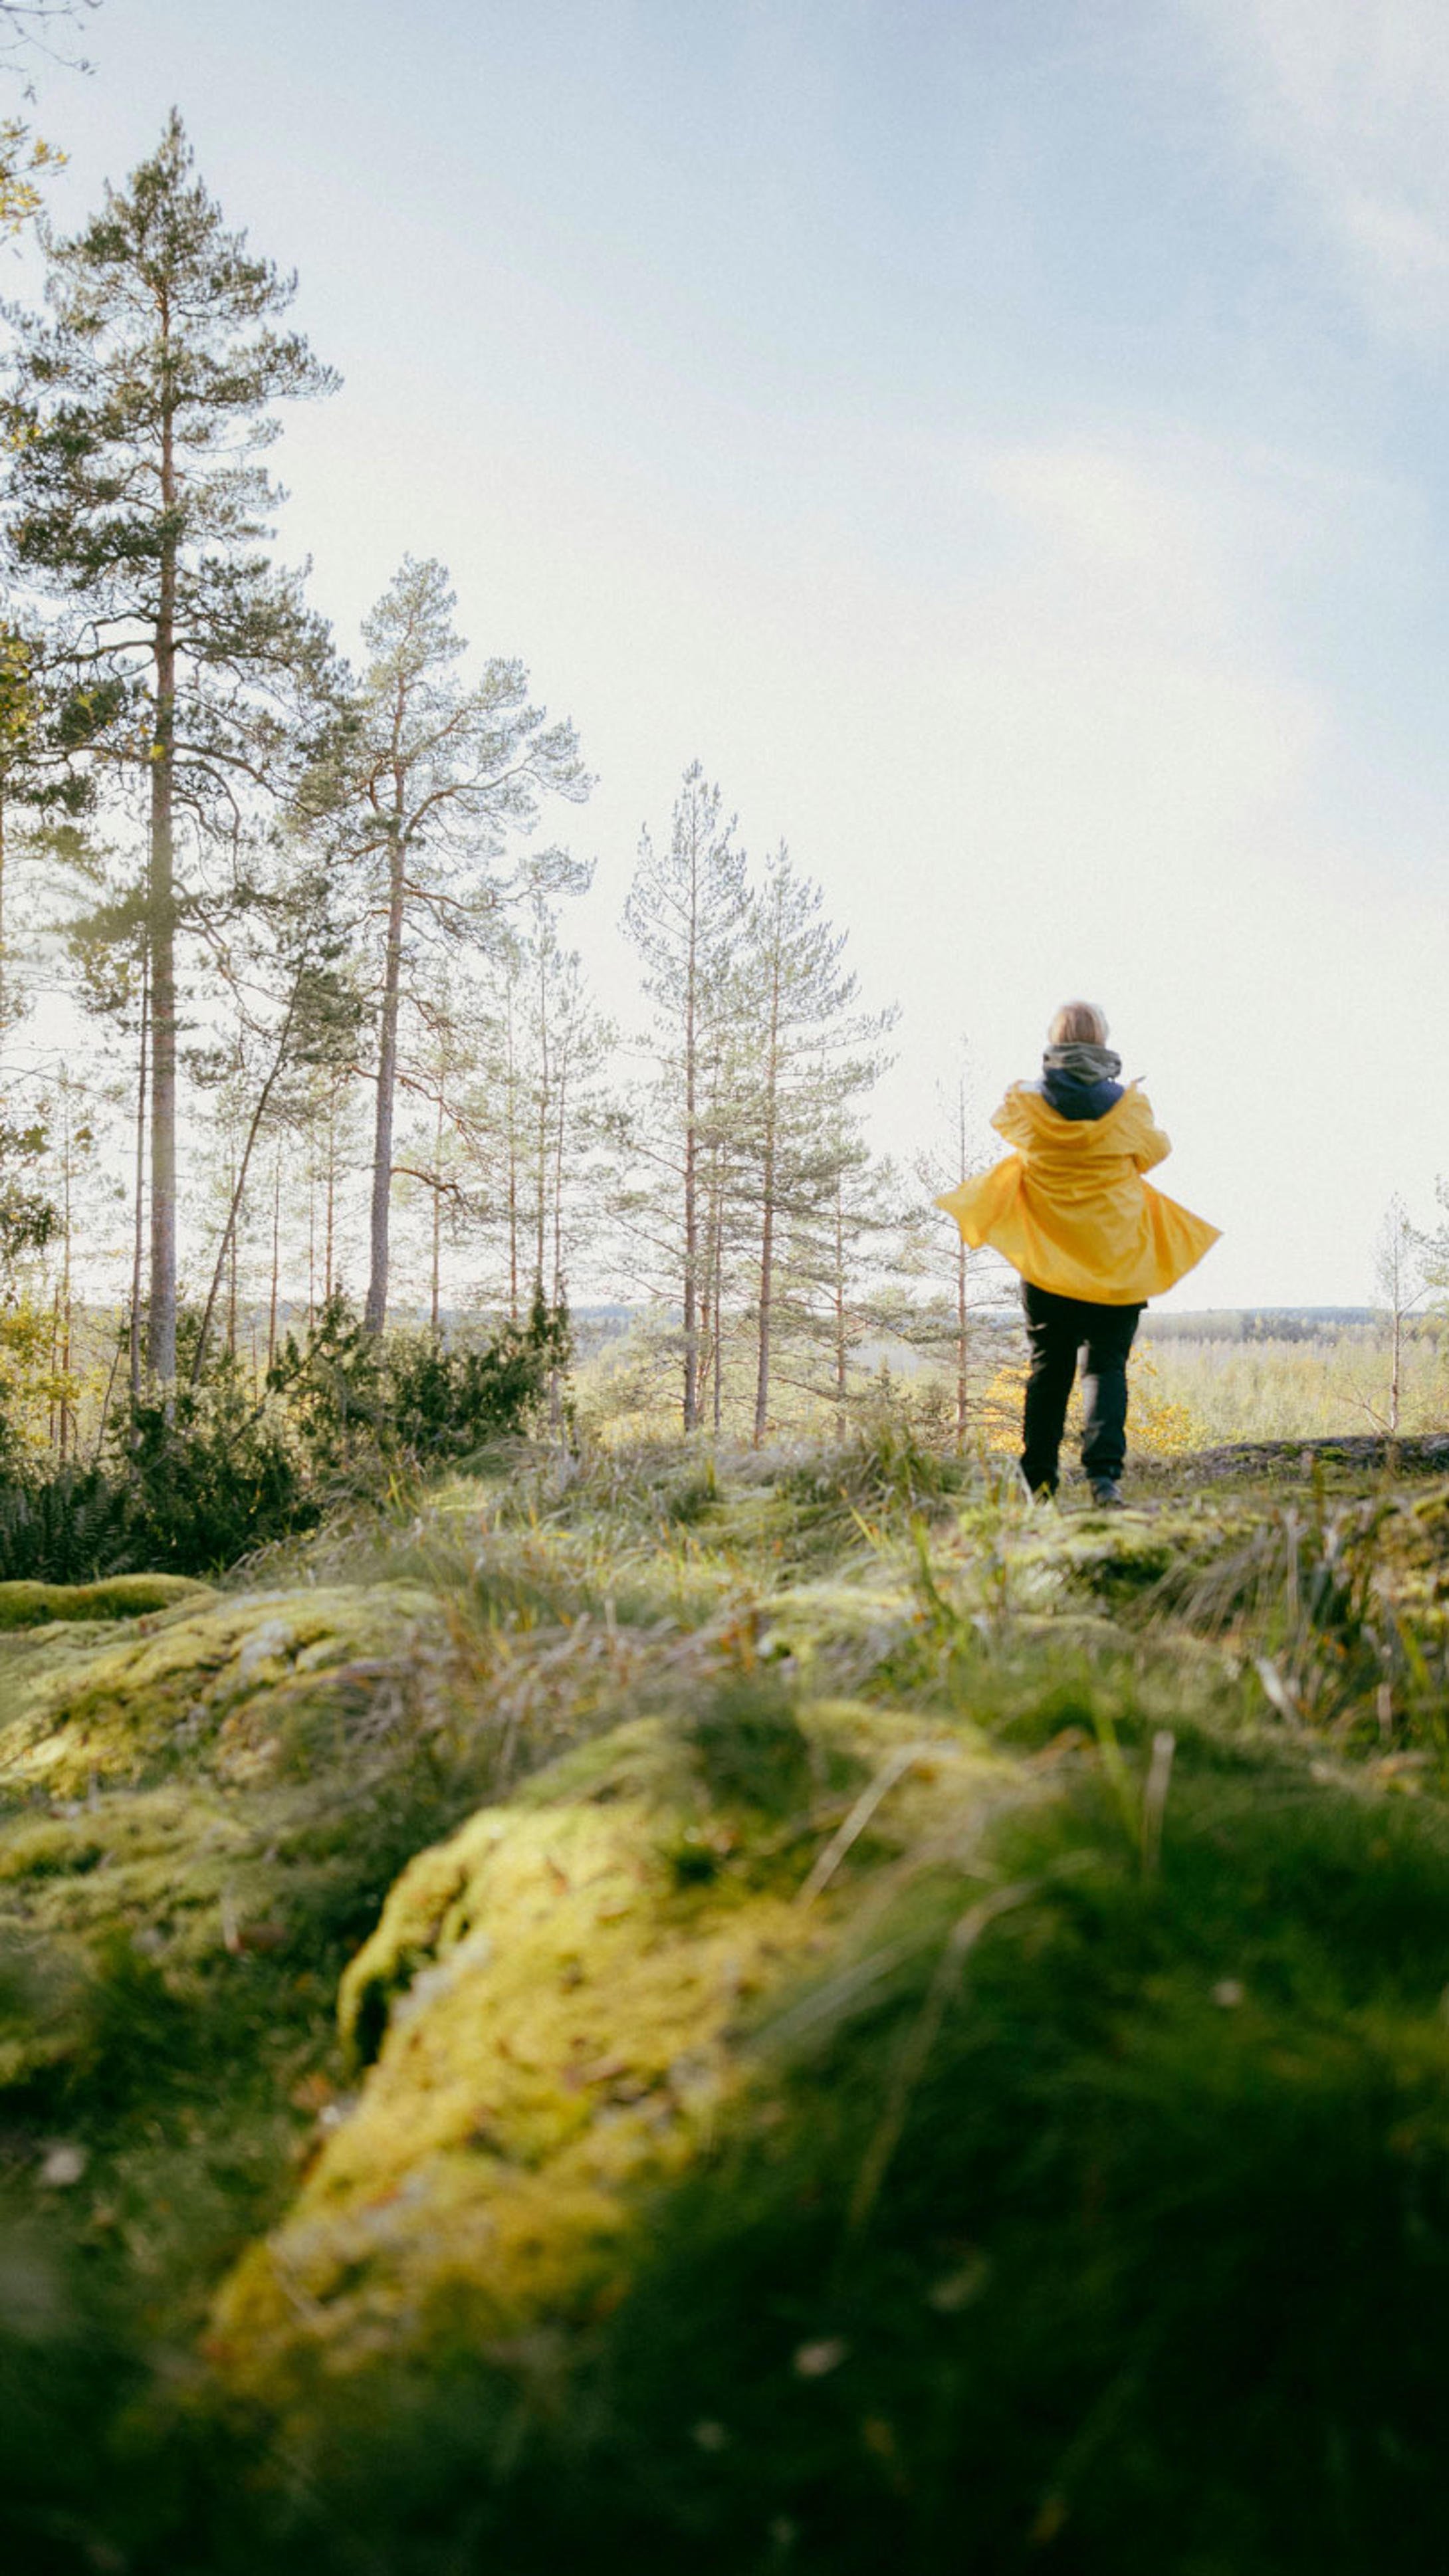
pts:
[1078, 1024]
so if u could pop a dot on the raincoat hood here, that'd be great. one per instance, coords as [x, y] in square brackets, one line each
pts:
[1070, 1209]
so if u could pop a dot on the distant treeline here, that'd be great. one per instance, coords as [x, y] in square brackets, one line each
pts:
[1259, 1323]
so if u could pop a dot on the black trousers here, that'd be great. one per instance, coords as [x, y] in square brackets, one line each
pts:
[1058, 1329]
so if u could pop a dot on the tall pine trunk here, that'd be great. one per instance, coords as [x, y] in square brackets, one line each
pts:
[375, 1311]
[541, 1143]
[962, 1348]
[717, 1284]
[50, 1409]
[511, 1093]
[138, 1242]
[231, 1267]
[276, 1260]
[708, 1380]
[161, 926]
[767, 1212]
[841, 1342]
[560, 1138]
[226, 1250]
[329, 1279]
[691, 1270]
[691, 1186]
[65, 1297]
[962, 1317]
[435, 1310]
[767, 1291]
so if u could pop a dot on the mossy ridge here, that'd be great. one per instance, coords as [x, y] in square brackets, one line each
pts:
[208, 1685]
[170, 1945]
[558, 1999]
[119, 1596]
[664, 1538]
[221, 1787]
[545, 1655]
[1103, 2259]
[1067, 2198]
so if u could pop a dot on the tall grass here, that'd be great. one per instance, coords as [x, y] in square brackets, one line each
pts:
[1303, 1390]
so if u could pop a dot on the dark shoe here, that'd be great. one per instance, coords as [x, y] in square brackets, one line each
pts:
[1107, 1495]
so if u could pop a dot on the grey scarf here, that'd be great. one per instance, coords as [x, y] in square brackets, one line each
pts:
[1082, 1063]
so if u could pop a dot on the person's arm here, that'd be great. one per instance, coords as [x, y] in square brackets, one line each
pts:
[1012, 1120]
[1147, 1144]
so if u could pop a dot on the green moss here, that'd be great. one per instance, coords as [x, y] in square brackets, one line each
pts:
[1041, 2184]
[1090, 2239]
[120, 1596]
[209, 1811]
[233, 1684]
[558, 2016]
[750, 1745]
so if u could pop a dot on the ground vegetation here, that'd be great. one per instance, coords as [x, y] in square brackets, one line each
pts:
[787, 2005]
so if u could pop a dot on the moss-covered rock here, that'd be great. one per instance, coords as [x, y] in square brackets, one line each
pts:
[120, 1596]
[215, 1782]
[559, 2000]
[231, 1686]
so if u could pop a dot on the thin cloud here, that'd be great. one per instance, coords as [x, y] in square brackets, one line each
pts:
[1349, 99]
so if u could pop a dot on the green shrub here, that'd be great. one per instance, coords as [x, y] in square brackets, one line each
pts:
[446, 1403]
[195, 1481]
[212, 1477]
[364, 1407]
[333, 1390]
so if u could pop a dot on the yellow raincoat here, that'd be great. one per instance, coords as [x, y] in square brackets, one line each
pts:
[1070, 1209]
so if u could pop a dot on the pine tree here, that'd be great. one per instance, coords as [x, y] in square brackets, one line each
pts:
[727, 1228]
[435, 1150]
[439, 776]
[842, 1260]
[568, 1044]
[140, 411]
[944, 1325]
[296, 1013]
[685, 913]
[46, 795]
[814, 1053]
[509, 1113]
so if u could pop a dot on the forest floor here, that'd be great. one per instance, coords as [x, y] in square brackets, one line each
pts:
[781, 2011]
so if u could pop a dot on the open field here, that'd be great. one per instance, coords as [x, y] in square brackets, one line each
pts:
[790, 2010]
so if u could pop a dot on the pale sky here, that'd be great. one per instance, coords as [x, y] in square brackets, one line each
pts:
[1005, 444]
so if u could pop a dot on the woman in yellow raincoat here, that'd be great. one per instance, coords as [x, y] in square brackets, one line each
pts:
[1090, 1237]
